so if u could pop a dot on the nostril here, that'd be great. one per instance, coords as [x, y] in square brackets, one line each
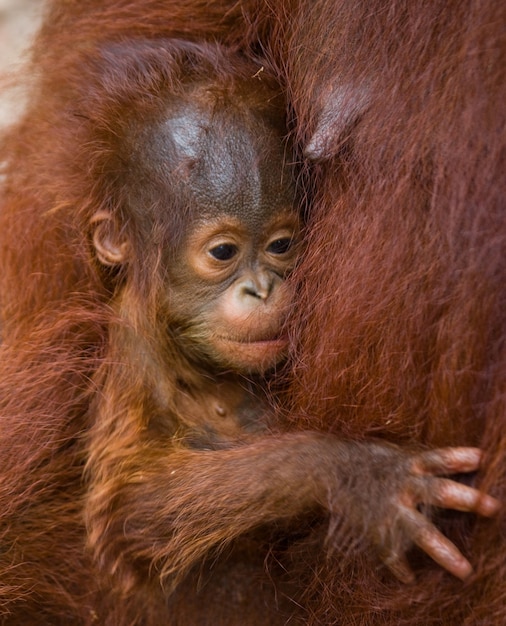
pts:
[254, 292]
[256, 287]
[251, 292]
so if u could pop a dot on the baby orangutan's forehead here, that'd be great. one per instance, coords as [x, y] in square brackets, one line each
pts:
[225, 162]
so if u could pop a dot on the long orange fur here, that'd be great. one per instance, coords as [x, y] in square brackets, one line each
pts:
[401, 323]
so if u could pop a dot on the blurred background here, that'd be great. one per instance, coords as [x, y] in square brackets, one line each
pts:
[19, 20]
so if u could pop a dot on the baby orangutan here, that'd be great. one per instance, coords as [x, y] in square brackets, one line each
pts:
[188, 466]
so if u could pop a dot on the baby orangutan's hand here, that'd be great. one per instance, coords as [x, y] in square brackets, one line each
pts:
[425, 486]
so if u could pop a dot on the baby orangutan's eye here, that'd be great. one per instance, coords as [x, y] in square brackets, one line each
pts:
[280, 246]
[223, 252]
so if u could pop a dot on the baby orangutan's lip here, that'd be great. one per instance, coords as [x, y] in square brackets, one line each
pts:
[258, 353]
[272, 345]
[260, 339]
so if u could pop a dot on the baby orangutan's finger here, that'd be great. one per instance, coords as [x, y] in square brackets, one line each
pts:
[449, 494]
[399, 567]
[428, 538]
[448, 461]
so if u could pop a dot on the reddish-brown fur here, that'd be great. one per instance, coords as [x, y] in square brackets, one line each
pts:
[401, 321]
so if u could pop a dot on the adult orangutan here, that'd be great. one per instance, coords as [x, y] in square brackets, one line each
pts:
[399, 330]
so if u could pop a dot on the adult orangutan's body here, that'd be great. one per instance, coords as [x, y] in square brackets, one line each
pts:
[399, 325]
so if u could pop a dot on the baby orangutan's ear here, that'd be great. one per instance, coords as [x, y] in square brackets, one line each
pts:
[111, 245]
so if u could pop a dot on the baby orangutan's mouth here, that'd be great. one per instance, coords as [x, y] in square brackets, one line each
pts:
[253, 353]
